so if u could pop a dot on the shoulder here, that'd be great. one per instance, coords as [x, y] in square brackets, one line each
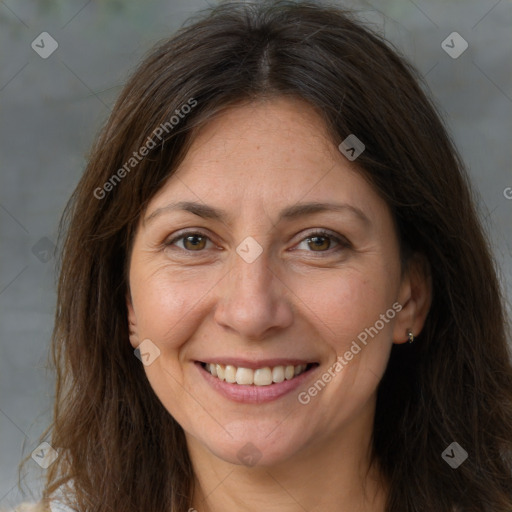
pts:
[63, 494]
[38, 507]
[29, 507]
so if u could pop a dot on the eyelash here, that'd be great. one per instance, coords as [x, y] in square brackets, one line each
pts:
[342, 242]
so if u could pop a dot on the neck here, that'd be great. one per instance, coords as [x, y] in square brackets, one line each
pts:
[328, 475]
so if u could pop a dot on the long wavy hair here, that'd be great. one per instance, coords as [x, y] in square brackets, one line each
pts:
[118, 446]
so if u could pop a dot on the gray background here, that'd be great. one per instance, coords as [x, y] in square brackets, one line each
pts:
[52, 108]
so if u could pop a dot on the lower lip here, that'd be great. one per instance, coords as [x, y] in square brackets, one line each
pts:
[254, 394]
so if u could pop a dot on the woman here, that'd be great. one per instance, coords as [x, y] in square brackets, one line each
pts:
[275, 291]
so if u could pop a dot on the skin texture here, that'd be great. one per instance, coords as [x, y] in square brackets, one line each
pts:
[253, 160]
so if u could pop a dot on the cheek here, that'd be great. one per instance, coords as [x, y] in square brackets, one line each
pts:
[166, 303]
[170, 305]
[344, 304]
[346, 310]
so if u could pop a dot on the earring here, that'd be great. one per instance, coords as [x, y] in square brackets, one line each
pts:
[410, 335]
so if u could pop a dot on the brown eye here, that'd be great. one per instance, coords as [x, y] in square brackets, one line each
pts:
[324, 242]
[319, 243]
[193, 242]
[190, 241]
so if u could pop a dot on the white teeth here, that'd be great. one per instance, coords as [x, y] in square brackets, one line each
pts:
[259, 377]
[244, 376]
[263, 376]
[289, 372]
[278, 374]
[230, 373]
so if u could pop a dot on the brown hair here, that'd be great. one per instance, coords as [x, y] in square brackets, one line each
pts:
[118, 444]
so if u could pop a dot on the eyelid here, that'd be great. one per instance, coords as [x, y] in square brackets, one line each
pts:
[183, 234]
[339, 239]
[343, 242]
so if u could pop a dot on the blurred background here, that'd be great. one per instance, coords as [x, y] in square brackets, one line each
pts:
[62, 64]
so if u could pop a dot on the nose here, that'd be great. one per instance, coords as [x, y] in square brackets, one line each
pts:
[253, 301]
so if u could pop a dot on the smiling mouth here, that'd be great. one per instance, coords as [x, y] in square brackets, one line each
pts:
[265, 376]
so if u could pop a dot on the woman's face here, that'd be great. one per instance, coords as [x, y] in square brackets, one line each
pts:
[254, 281]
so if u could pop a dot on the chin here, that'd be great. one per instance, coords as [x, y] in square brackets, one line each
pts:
[261, 444]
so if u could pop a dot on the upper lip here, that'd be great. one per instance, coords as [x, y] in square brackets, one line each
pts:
[255, 364]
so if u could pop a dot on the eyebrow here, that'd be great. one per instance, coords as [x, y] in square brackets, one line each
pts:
[287, 214]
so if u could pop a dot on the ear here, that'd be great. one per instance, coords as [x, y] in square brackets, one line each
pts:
[132, 322]
[415, 296]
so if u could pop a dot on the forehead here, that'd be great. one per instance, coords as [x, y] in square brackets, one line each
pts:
[276, 132]
[274, 150]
